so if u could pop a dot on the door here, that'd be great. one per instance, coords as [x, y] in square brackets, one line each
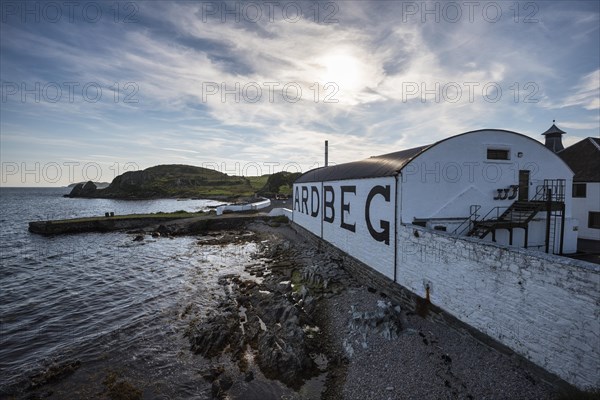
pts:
[523, 185]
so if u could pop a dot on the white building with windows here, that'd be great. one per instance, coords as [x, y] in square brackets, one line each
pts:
[584, 159]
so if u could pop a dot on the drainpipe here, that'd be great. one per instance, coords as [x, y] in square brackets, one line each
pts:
[562, 228]
[548, 217]
[396, 222]
[321, 208]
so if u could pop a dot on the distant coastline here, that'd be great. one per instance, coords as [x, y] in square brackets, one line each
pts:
[99, 185]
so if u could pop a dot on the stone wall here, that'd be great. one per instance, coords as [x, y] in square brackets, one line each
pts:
[356, 216]
[543, 307]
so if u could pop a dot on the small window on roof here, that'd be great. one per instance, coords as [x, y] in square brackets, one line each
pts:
[498, 154]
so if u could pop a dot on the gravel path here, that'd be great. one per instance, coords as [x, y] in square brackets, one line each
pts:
[427, 360]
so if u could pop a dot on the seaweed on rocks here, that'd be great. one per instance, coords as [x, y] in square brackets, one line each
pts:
[265, 318]
[212, 337]
[54, 373]
[272, 317]
[118, 388]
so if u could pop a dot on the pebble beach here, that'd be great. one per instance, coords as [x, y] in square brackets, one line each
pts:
[381, 351]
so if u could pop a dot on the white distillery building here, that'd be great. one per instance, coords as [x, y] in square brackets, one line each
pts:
[449, 222]
[491, 184]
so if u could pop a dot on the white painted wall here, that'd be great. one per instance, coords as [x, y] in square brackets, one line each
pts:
[446, 179]
[305, 217]
[264, 203]
[581, 208]
[537, 236]
[276, 212]
[359, 243]
[541, 306]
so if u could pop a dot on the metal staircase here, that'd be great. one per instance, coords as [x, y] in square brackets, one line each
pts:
[517, 215]
[549, 197]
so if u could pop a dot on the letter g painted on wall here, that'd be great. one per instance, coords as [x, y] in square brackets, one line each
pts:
[384, 234]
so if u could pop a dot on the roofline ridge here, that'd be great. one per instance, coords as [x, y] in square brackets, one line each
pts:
[423, 149]
[590, 138]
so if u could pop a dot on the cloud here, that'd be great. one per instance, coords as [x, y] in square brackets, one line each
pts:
[180, 150]
[587, 92]
[591, 124]
[398, 84]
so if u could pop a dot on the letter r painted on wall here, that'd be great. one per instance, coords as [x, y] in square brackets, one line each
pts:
[304, 200]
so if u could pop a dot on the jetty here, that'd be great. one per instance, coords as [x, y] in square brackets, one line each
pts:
[175, 223]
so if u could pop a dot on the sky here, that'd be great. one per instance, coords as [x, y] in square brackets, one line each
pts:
[91, 89]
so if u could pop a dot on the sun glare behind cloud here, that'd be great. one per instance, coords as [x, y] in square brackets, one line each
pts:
[342, 69]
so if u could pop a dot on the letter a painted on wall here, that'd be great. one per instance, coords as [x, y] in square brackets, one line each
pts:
[297, 199]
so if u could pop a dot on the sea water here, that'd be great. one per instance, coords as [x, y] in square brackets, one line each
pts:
[113, 304]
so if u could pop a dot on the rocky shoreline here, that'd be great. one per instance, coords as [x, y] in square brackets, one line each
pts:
[307, 316]
[305, 321]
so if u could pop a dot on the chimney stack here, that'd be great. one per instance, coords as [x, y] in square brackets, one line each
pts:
[554, 138]
[326, 153]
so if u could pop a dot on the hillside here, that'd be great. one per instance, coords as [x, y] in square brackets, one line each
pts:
[279, 183]
[169, 181]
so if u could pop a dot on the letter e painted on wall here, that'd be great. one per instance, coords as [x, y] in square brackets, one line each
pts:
[346, 207]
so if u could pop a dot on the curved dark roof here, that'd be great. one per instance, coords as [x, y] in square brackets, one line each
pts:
[380, 166]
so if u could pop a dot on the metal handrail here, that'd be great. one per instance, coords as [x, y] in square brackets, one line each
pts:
[552, 189]
[498, 214]
[473, 210]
